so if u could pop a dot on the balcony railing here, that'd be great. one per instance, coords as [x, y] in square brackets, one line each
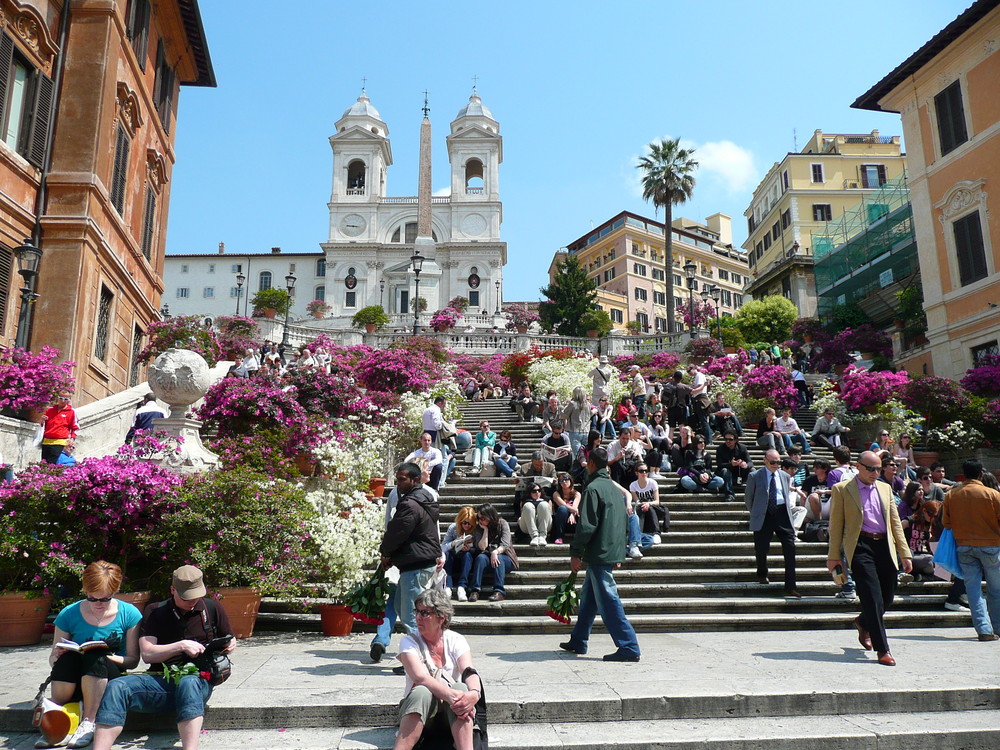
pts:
[356, 191]
[474, 191]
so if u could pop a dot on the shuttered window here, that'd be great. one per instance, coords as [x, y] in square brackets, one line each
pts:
[163, 87]
[950, 113]
[135, 364]
[149, 223]
[6, 268]
[103, 324]
[137, 24]
[25, 104]
[119, 174]
[970, 249]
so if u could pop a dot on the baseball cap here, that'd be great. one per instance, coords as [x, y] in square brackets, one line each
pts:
[189, 583]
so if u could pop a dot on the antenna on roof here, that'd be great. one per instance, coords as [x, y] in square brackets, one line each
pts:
[795, 139]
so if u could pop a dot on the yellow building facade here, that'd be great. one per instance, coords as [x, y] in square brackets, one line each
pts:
[625, 256]
[796, 198]
[946, 93]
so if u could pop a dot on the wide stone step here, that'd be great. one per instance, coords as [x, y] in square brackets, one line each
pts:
[667, 561]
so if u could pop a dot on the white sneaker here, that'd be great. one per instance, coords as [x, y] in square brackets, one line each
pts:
[447, 592]
[542, 542]
[634, 552]
[462, 596]
[534, 541]
[656, 539]
[83, 735]
[953, 606]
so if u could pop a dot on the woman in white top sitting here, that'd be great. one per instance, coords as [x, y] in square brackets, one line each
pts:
[902, 453]
[645, 497]
[439, 675]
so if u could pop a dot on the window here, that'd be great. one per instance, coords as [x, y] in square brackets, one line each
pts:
[970, 249]
[640, 294]
[751, 224]
[183, 292]
[677, 280]
[817, 172]
[678, 302]
[635, 249]
[211, 268]
[784, 179]
[184, 267]
[291, 268]
[609, 275]
[137, 29]
[694, 285]
[727, 298]
[351, 299]
[737, 279]
[321, 268]
[737, 300]
[723, 274]
[659, 274]
[661, 325]
[25, 103]
[952, 132]
[767, 240]
[235, 291]
[264, 281]
[775, 231]
[119, 170]
[6, 267]
[236, 268]
[979, 353]
[135, 364]
[163, 87]
[639, 269]
[208, 292]
[822, 212]
[320, 293]
[404, 301]
[659, 298]
[103, 324]
[149, 226]
[617, 316]
[643, 320]
[786, 218]
[758, 249]
[872, 175]
[474, 298]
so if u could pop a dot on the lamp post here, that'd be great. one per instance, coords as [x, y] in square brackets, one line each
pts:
[418, 262]
[381, 292]
[165, 312]
[716, 296]
[240, 278]
[289, 285]
[28, 258]
[689, 271]
[706, 289]
[497, 282]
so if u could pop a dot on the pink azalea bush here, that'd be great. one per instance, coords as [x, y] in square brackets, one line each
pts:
[445, 319]
[773, 384]
[938, 399]
[863, 388]
[181, 332]
[30, 380]
[728, 366]
[237, 333]
[398, 371]
[704, 313]
[238, 406]
[984, 379]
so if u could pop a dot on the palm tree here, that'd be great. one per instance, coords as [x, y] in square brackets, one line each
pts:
[668, 180]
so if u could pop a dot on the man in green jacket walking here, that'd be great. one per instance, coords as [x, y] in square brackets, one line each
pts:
[600, 541]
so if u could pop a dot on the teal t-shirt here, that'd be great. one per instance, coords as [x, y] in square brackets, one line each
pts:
[70, 619]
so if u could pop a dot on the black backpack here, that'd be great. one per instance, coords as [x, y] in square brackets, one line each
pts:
[668, 395]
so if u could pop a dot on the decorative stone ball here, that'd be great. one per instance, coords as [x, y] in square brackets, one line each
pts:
[179, 377]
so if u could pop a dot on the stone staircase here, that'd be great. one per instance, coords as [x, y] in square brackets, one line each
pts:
[702, 577]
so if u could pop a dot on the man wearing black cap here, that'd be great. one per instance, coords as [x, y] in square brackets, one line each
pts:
[173, 633]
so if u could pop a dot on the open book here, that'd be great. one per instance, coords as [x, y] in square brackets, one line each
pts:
[83, 647]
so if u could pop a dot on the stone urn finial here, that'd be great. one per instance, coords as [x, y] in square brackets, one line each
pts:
[179, 377]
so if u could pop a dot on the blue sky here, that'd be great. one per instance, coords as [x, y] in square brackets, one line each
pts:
[579, 90]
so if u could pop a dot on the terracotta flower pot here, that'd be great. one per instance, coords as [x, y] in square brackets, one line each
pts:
[522, 329]
[335, 619]
[376, 486]
[370, 327]
[241, 605]
[22, 617]
[592, 334]
[305, 464]
[138, 599]
[270, 312]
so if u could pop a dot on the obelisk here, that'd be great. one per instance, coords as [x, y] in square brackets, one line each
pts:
[425, 239]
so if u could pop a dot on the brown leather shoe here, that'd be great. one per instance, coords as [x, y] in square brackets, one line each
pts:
[884, 657]
[863, 638]
[989, 637]
[496, 596]
[473, 596]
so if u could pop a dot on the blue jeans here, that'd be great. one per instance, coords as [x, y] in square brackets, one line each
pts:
[456, 569]
[606, 428]
[383, 633]
[800, 439]
[599, 594]
[979, 563]
[576, 439]
[150, 693]
[500, 572]
[714, 484]
[634, 531]
[508, 467]
[411, 585]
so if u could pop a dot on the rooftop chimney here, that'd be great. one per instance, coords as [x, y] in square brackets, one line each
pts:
[222, 248]
[275, 250]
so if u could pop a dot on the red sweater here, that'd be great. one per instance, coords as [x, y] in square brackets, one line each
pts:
[60, 424]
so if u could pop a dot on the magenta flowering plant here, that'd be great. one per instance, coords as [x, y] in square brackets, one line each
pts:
[239, 406]
[991, 420]
[30, 380]
[705, 348]
[331, 395]
[519, 316]
[804, 328]
[937, 399]
[773, 384]
[237, 334]
[984, 378]
[429, 346]
[445, 319]
[704, 313]
[181, 332]
[459, 304]
[149, 443]
[728, 366]
[398, 371]
[860, 389]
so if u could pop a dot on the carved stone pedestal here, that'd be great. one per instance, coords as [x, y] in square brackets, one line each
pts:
[180, 377]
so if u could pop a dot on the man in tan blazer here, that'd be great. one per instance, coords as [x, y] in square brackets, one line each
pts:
[864, 521]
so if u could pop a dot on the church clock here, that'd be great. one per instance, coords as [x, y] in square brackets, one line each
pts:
[353, 224]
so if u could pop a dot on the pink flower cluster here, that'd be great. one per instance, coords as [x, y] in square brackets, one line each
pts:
[29, 380]
[984, 379]
[771, 383]
[863, 388]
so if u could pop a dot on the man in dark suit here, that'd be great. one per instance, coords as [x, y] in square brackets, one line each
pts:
[769, 499]
[865, 522]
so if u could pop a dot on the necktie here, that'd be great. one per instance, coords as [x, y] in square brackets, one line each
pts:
[772, 495]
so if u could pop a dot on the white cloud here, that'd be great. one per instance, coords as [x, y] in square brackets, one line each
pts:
[445, 192]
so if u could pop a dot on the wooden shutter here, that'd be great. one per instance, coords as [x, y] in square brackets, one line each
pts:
[41, 113]
[119, 174]
[149, 224]
[969, 249]
[6, 61]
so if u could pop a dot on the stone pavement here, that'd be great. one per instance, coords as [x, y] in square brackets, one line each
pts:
[796, 689]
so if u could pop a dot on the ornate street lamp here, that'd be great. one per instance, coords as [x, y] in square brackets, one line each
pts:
[716, 296]
[690, 269]
[28, 257]
[240, 278]
[418, 262]
[706, 289]
[381, 292]
[497, 282]
[165, 312]
[290, 286]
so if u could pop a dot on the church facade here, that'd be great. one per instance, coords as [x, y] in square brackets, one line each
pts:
[373, 235]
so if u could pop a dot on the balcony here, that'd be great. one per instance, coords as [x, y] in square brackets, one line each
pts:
[474, 190]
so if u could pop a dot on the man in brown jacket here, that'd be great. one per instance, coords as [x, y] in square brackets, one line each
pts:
[972, 512]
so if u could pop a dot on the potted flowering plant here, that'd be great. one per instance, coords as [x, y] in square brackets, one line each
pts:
[181, 332]
[271, 303]
[596, 322]
[865, 390]
[957, 441]
[318, 308]
[370, 318]
[704, 349]
[445, 319]
[29, 381]
[936, 398]
[237, 333]
[704, 313]
[773, 384]
[809, 330]
[634, 327]
[459, 304]
[520, 317]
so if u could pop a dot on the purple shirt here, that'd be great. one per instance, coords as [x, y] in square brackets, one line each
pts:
[871, 509]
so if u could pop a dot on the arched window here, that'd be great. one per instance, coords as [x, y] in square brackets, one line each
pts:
[356, 178]
[408, 232]
[265, 281]
[474, 177]
[320, 293]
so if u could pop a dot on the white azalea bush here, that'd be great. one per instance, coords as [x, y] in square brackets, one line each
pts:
[347, 531]
[358, 451]
[956, 437]
[563, 375]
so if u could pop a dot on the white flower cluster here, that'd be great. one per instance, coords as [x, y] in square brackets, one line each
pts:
[563, 375]
[347, 531]
[359, 455]
[956, 436]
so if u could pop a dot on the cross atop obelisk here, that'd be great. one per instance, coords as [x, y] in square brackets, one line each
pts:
[424, 242]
